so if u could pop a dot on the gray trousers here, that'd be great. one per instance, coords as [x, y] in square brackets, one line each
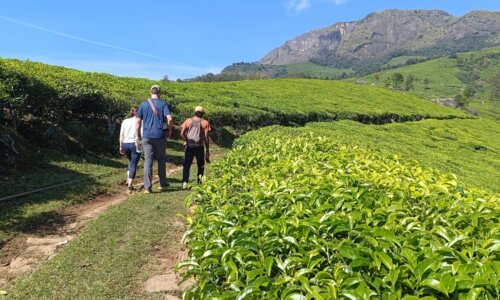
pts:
[154, 149]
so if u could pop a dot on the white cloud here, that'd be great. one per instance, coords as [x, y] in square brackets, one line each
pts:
[298, 5]
[338, 2]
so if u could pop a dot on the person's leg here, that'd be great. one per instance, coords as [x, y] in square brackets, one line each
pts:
[135, 157]
[188, 160]
[128, 153]
[160, 147]
[148, 163]
[200, 161]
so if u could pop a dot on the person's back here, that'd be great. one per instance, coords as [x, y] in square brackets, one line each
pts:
[194, 132]
[153, 124]
[128, 146]
[151, 117]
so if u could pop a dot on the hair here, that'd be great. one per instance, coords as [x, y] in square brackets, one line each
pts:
[132, 112]
[199, 114]
[155, 91]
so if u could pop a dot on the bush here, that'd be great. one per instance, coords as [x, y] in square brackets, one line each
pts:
[301, 217]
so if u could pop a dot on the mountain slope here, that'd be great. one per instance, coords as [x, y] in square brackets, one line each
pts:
[447, 77]
[383, 35]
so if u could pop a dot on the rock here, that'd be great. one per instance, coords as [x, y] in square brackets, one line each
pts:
[44, 249]
[386, 34]
[186, 284]
[21, 265]
[49, 240]
[448, 102]
[162, 283]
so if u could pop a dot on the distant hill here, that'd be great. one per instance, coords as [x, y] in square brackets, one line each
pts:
[475, 75]
[380, 40]
[381, 36]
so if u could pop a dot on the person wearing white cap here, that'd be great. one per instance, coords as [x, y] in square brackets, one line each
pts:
[194, 132]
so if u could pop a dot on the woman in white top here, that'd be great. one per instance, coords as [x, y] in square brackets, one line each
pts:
[128, 146]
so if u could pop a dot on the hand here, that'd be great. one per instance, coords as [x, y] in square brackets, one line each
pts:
[121, 150]
[207, 157]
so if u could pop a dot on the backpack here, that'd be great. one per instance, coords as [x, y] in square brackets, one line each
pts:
[194, 133]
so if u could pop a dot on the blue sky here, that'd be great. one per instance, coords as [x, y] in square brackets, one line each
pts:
[181, 38]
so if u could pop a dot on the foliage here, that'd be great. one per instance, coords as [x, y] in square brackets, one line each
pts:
[410, 79]
[397, 79]
[448, 76]
[243, 104]
[305, 217]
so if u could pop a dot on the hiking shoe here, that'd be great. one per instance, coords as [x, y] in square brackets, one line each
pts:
[130, 189]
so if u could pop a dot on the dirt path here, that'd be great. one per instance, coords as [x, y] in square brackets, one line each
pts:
[27, 252]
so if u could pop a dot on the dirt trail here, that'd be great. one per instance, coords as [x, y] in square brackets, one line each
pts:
[27, 252]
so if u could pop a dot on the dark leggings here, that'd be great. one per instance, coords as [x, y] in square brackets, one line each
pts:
[189, 154]
[133, 158]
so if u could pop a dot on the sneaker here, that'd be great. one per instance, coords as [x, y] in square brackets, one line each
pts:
[130, 189]
[163, 188]
[185, 185]
[147, 191]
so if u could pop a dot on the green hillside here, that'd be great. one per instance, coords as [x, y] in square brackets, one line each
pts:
[448, 76]
[246, 104]
[315, 71]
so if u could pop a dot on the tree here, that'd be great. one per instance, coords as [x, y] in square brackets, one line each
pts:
[397, 79]
[165, 78]
[377, 77]
[388, 82]
[426, 83]
[409, 82]
[469, 91]
[462, 100]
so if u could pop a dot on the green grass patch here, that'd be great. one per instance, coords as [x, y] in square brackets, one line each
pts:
[402, 60]
[448, 76]
[315, 71]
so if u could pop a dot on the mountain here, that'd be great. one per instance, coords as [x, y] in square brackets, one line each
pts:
[381, 36]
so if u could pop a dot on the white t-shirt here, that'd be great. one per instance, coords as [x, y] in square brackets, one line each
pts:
[127, 131]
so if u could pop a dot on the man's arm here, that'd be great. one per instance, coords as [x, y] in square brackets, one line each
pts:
[138, 125]
[170, 123]
[206, 130]
[183, 132]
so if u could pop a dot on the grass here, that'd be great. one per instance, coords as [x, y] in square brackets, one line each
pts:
[442, 74]
[467, 148]
[401, 60]
[115, 254]
[30, 213]
[316, 71]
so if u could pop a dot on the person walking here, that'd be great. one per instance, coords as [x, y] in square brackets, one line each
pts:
[194, 132]
[128, 147]
[154, 117]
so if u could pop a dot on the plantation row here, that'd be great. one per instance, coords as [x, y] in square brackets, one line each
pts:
[305, 217]
[58, 94]
[467, 148]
